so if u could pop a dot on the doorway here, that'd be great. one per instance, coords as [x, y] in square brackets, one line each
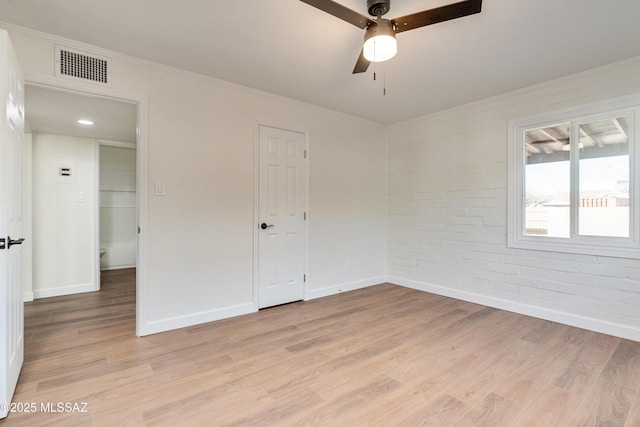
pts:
[52, 113]
[117, 194]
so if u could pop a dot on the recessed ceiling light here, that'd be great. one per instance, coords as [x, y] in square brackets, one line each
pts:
[85, 122]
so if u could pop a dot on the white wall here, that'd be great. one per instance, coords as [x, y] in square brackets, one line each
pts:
[347, 207]
[448, 205]
[118, 220]
[201, 139]
[64, 215]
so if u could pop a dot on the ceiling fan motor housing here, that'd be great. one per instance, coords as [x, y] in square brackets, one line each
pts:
[378, 7]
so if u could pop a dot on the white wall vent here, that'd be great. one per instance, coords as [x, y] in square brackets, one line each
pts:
[77, 64]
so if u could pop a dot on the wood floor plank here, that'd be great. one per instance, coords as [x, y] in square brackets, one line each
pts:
[494, 410]
[606, 404]
[526, 381]
[440, 410]
[554, 407]
[588, 365]
[634, 412]
[337, 410]
[624, 366]
[379, 356]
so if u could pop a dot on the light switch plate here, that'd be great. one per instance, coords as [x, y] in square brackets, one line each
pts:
[159, 188]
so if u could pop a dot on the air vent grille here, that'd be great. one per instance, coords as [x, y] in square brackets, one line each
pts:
[82, 65]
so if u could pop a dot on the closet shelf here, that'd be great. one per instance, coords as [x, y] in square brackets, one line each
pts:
[111, 190]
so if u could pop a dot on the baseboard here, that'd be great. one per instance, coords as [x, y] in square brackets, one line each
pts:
[178, 322]
[342, 287]
[117, 267]
[27, 296]
[64, 290]
[596, 325]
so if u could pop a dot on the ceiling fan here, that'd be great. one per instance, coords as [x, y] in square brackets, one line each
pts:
[380, 35]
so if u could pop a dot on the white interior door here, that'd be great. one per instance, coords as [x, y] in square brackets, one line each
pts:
[11, 149]
[281, 212]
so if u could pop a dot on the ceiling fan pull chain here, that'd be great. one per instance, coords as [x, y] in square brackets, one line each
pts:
[374, 54]
[384, 84]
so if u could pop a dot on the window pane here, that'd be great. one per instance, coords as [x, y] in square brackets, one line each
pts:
[547, 181]
[604, 178]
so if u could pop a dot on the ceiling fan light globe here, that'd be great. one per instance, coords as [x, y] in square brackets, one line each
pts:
[380, 48]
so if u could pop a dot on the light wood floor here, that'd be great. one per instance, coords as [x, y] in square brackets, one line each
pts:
[381, 356]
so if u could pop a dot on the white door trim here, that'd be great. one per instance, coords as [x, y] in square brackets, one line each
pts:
[141, 171]
[256, 205]
[96, 210]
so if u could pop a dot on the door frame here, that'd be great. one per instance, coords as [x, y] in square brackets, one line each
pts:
[99, 144]
[256, 206]
[140, 100]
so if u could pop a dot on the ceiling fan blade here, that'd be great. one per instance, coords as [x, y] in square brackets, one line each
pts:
[438, 14]
[339, 11]
[362, 64]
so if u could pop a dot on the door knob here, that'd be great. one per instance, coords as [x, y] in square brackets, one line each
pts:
[264, 225]
[13, 242]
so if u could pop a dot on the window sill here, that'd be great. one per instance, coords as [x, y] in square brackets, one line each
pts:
[603, 247]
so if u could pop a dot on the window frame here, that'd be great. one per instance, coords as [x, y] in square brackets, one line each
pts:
[623, 247]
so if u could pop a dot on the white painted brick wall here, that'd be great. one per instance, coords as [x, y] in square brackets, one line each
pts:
[447, 205]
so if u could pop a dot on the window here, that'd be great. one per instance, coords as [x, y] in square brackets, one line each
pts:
[573, 180]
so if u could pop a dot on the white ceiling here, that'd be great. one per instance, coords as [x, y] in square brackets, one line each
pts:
[290, 48]
[57, 112]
